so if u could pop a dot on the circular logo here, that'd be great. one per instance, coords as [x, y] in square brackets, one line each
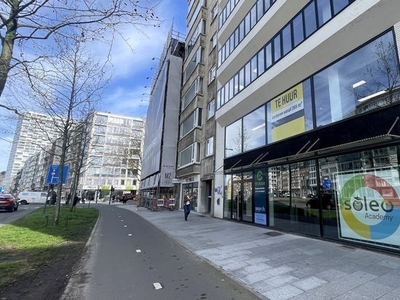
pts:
[370, 218]
[260, 176]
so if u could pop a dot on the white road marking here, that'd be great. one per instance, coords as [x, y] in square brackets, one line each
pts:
[157, 285]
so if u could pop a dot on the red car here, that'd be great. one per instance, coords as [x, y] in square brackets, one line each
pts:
[8, 202]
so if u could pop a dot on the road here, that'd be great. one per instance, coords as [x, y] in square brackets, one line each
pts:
[129, 258]
[8, 217]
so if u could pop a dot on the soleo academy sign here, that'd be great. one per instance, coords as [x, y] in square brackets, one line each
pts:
[53, 174]
[369, 206]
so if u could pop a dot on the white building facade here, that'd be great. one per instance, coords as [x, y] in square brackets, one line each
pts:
[307, 130]
[29, 139]
[113, 155]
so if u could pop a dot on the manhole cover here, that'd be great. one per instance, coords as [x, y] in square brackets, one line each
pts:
[273, 233]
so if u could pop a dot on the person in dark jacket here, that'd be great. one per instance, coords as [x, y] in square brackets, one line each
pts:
[53, 198]
[76, 200]
[186, 205]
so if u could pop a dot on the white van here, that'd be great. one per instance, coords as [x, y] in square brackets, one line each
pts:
[32, 197]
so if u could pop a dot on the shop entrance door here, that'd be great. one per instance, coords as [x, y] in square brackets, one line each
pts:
[237, 203]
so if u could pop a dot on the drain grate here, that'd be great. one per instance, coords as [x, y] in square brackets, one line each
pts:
[273, 233]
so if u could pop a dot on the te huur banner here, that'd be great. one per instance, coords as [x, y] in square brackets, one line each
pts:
[287, 114]
[260, 183]
[369, 206]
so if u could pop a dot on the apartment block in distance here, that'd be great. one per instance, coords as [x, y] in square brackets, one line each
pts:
[29, 139]
[113, 158]
[307, 118]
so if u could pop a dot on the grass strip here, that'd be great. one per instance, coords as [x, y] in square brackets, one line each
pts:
[34, 241]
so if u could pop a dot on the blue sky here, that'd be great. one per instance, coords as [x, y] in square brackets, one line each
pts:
[133, 67]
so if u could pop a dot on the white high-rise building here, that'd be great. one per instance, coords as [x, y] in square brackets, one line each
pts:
[113, 158]
[29, 139]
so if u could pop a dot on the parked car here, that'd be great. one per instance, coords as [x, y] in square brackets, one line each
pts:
[328, 201]
[8, 202]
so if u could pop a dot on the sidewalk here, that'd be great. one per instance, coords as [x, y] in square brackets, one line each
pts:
[279, 265]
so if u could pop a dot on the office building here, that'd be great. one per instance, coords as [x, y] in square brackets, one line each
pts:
[307, 112]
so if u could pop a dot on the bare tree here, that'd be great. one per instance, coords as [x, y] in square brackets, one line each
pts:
[381, 78]
[66, 86]
[26, 23]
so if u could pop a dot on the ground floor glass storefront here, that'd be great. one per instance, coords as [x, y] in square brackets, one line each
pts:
[351, 197]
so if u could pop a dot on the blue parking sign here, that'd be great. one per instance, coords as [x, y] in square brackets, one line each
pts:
[53, 174]
[327, 184]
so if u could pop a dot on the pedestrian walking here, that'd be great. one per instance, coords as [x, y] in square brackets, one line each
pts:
[68, 199]
[187, 199]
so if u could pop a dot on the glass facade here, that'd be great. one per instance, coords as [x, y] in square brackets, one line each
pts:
[351, 195]
[356, 84]
[305, 23]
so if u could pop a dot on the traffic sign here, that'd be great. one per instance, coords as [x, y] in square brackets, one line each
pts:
[54, 173]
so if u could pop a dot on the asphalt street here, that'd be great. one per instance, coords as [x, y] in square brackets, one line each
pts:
[7, 217]
[130, 258]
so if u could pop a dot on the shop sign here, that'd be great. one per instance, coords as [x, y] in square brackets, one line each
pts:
[260, 214]
[369, 206]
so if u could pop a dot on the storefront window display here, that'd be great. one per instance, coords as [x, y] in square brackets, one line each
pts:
[288, 198]
[367, 188]
[228, 197]
[191, 190]
[238, 203]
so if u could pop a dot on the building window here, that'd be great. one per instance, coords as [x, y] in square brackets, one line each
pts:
[191, 122]
[214, 12]
[357, 83]
[233, 139]
[195, 88]
[213, 41]
[254, 129]
[210, 109]
[212, 73]
[189, 155]
[210, 146]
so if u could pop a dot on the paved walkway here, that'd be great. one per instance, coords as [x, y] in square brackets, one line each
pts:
[282, 266]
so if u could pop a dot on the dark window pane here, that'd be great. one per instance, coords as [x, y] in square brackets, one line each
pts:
[277, 48]
[338, 5]
[261, 62]
[268, 55]
[298, 31]
[286, 39]
[324, 11]
[310, 19]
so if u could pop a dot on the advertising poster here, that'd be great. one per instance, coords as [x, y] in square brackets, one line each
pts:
[260, 182]
[369, 206]
[287, 114]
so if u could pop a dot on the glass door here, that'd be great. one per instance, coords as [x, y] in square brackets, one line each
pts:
[247, 201]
